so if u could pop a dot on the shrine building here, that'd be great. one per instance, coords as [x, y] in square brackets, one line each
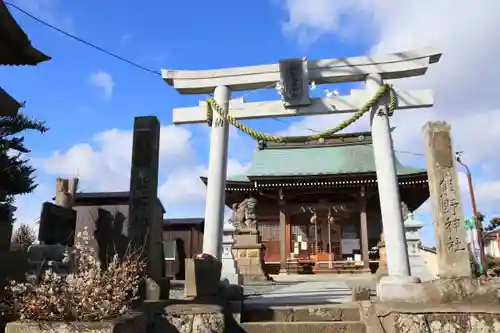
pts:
[298, 186]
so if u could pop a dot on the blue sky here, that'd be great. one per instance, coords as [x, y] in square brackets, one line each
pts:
[89, 99]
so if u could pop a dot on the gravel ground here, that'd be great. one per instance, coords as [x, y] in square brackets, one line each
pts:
[177, 288]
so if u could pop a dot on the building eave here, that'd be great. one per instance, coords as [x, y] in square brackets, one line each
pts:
[321, 181]
[15, 47]
[8, 105]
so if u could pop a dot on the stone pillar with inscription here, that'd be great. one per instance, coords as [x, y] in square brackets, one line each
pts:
[144, 225]
[447, 215]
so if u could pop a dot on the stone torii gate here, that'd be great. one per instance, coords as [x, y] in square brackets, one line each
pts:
[296, 75]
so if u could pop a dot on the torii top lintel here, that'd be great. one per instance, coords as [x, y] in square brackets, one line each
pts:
[390, 66]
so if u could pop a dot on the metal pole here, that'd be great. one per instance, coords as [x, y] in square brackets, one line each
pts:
[330, 264]
[479, 227]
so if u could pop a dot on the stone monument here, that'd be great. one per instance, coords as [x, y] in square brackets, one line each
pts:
[145, 223]
[229, 267]
[144, 230]
[447, 215]
[418, 267]
[247, 248]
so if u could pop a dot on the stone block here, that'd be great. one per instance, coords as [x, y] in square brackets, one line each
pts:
[461, 290]
[360, 293]
[199, 318]
[440, 291]
[230, 292]
[202, 278]
[57, 225]
[246, 239]
[157, 289]
[129, 323]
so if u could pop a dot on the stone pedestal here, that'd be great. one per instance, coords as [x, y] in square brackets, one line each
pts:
[229, 267]
[399, 289]
[202, 278]
[248, 253]
[465, 290]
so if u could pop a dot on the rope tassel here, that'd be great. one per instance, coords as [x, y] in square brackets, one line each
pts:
[256, 135]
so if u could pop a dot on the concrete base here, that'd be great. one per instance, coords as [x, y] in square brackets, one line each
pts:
[399, 289]
[407, 317]
[440, 291]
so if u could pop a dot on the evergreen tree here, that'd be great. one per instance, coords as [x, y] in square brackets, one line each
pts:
[16, 174]
[24, 237]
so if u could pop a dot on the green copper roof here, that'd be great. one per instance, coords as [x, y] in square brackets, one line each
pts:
[317, 161]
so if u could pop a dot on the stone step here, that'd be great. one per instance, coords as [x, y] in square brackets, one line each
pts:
[309, 313]
[304, 327]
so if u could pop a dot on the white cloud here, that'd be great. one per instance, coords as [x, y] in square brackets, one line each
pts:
[103, 81]
[104, 164]
[184, 185]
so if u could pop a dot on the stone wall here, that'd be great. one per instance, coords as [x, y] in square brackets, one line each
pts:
[130, 323]
[449, 318]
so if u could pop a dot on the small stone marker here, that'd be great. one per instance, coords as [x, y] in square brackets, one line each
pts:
[447, 215]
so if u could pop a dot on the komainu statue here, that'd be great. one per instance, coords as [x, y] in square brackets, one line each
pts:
[237, 219]
[244, 215]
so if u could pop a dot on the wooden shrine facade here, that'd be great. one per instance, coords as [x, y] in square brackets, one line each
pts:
[325, 217]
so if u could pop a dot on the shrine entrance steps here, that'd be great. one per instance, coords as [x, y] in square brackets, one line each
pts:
[310, 306]
[345, 318]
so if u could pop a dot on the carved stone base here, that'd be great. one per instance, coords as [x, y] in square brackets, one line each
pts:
[247, 251]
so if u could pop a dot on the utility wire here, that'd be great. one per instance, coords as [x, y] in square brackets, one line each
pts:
[78, 39]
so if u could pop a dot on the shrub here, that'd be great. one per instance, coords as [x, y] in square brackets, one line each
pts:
[88, 293]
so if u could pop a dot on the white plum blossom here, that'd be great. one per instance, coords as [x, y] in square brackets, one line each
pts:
[88, 293]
